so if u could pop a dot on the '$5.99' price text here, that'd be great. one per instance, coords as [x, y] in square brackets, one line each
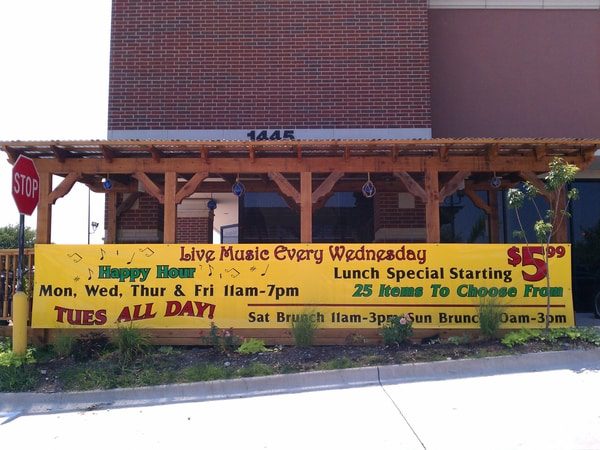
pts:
[533, 256]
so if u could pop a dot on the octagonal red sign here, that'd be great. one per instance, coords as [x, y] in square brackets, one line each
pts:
[25, 185]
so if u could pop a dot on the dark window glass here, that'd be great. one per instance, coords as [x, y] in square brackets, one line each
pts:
[266, 217]
[462, 221]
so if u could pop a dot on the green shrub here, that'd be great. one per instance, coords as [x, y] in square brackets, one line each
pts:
[132, 343]
[304, 328]
[222, 341]
[490, 317]
[459, 340]
[64, 344]
[16, 371]
[396, 330]
[90, 346]
[520, 337]
[252, 346]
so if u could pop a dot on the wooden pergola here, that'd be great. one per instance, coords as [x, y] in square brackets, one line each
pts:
[305, 172]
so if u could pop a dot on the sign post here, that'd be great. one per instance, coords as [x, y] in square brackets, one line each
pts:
[26, 192]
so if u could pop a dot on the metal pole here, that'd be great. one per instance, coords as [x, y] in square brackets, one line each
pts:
[88, 219]
[20, 307]
[21, 252]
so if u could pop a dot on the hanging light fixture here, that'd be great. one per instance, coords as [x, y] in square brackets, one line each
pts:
[238, 187]
[368, 189]
[495, 181]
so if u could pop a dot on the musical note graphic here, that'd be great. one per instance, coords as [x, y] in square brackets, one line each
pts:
[252, 269]
[76, 278]
[102, 252]
[147, 252]
[132, 255]
[234, 272]
[91, 273]
[76, 257]
[265, 272]
[210, 268]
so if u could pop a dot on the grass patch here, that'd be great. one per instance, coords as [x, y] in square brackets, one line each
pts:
[337, 363]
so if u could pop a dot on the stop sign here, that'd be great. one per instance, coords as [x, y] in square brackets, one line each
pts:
[25, 185]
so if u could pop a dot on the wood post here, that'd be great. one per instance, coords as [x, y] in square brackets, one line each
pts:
[493, 217]
[111, 218]
[44, 210]
[432, 208]
[305, 207]
[170, 208]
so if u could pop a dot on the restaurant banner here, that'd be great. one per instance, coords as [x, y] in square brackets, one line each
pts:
[270, 285]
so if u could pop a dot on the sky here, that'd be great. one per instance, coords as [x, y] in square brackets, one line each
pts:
[54, 66]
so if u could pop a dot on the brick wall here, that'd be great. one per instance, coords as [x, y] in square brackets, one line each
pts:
[195, 230]
[237, 64]
[393, 223]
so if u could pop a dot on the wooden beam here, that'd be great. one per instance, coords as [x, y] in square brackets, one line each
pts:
[432, 207]
[12, 154]
[59, 153]
[412, 186]
[453, 184]
[326, 186]
[477, 201]
[170, 209]
[306, 207]
[111, 218]
[127, 203]
[190, 187]
[285, 186]
[540, 151]
[326, 164]
[150, 187]
[491, 153]
[444, 153]
[43, 230]
[156, 154]
[493, 217]
[64, 187]
[107, 153]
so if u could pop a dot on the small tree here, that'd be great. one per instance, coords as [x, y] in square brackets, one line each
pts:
[556, 182]
[9, 236]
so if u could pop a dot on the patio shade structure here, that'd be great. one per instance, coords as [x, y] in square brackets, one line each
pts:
[305, 172]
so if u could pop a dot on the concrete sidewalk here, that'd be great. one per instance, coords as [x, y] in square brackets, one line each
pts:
[33, 403]
[535, 401]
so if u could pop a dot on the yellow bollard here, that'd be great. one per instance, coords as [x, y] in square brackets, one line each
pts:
[20, 311]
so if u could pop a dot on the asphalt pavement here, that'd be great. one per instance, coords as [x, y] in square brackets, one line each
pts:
[544, 400]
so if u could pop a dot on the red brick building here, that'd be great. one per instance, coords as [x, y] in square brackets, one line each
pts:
[352, 69]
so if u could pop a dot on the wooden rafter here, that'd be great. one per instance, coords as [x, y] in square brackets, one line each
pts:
[108, 153]
[127, 203]
[443, 153]
[156, 153]
[453, 184]
[326, 186]
[540, 151]
[190, 187]
[285, 186]
[412, 186]
[151, 188]
[64, 187]
[477, 200]
[59, 153]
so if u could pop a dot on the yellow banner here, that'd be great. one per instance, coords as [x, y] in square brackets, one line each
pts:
[269, 285]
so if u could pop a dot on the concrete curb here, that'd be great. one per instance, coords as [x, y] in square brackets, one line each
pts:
[34, 403]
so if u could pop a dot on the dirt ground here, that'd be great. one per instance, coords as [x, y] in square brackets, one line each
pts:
[291, 359]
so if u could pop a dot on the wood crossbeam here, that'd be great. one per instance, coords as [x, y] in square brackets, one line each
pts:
[64, 187]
